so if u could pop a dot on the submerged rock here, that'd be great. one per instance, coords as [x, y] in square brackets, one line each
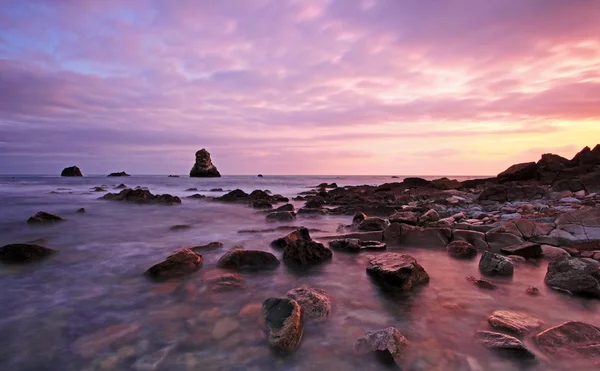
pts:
[305, 253]
[397, 271]
[315, 303]
[571, 340]
[121, 173]
[44, 218]
[578, 276]
[261, 204]
[180, 264]
[203, 167]
[388, 345]
[208, 246]
[141, 196]
[507, 343]
[248, 259]
[292, 237]
[281, 216]
[461, 250]
[283, 317]
[355, 245]
[24, 253]
[482, 283]
[71, 171]
[495, 265]
[517, 322]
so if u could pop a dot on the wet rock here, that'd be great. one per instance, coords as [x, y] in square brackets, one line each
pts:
[121, 186]
[121, 173]
[517, 322]
[44, 218]
[248, 259]
[495, 265]
[224, 327]
[305, 253]
[99, 189]
[355, 245]
[141, 196]
[498, 341]
[578, 276]
[307, 211]
[406, 217]
[313, 204]
[571, 340]
[209, 246]
[71, 171]
[424, 237]
[203, 167]
[397, 271]
[388, 345]
[80, 210]
[364, 236]
[283, 317]
[475, 238]
[180, 264]
[221, 280]
[358, 217]
[196, 196]
[482, 283]
[429, 217]
[373, 224]
[315, 303]
[281, 216]
[24, 253]
[461, 250]
[261, 204]
[286, 207]
[532, 291]
[292, 237]
[498, 240]
[524, 249]
[91, 344]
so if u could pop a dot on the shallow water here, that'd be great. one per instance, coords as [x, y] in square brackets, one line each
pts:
[52, 313]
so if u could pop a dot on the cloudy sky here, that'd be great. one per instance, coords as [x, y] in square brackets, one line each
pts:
[453, 87]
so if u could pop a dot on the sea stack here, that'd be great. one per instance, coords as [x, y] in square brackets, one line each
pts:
[71, 171]
[204, 168]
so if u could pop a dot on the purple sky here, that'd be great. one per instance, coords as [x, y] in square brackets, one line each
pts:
[457, 87]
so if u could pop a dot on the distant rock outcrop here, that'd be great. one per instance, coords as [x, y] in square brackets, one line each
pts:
[71, 171]
[121, 173]
[204, 168]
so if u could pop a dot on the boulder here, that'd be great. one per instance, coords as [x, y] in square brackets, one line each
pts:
[388, 345]
[429, 217]
[315, 303]
[571, 340]
[412, 182]
[397, 271]
[241, 259]
[24, 253]
[524, 249]
[517, 322]
[477, 239]
[71, 171]
[141, 196]
[505, 193]
[121, 173]
[203, 167]
[313, 204]
[406, 217]
[373, 224]
[497, 240]
[461, 250]
[554, 253]
[286, 207]
[578, 276]
[281, 216]
[283, 317]
[495, 265]
[424, 237]
[179, 264]
[530, 229]
[519, 172]
[261, 204]
[291, 238]
[44, 218]
[355, 245]
[305, 253]
[221, 281]
[502, 342]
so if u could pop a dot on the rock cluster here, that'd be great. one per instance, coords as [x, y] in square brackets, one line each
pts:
[141, 196]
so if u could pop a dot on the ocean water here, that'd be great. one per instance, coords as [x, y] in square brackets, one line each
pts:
[90, 307]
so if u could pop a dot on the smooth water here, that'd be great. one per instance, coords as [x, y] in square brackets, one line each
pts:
[91, 308]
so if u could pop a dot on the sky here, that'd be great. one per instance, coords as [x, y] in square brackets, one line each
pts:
[388, 87]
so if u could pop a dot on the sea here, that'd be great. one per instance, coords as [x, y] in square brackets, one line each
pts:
[90, 307]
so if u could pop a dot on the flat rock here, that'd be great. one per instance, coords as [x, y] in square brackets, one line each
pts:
[355, 245]
[517, 322]
[406, 217]
[571, 340]
[477, 239]
[24, 253]
[424, 237]
[524, 249]
[579, 276]
[283, 317]
[315, 303]
[495, 265]
[44, 218]
[498, 240]
[373, 224]
[179, 264]
[397, 271]
[498, 341]
[248, 259]
[388, 345]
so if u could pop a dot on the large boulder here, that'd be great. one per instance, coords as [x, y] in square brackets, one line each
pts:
[24, 253]
[587, 157]
[502, 342]
[461, 250]
[142, 196]
[524, 249]
[315, 303]
[305, 253]
[571, 340]
[203, 167]
[373, 224]
[505, 193]
[495, 265]
[44, 218]
[388, 345]
[291, 238]
[283, 317]
[397, 271]
[578, 276]
[241, 259]
[71, 171]
[513, 321]
[355, 245]
[181, 263]
[519, 172]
